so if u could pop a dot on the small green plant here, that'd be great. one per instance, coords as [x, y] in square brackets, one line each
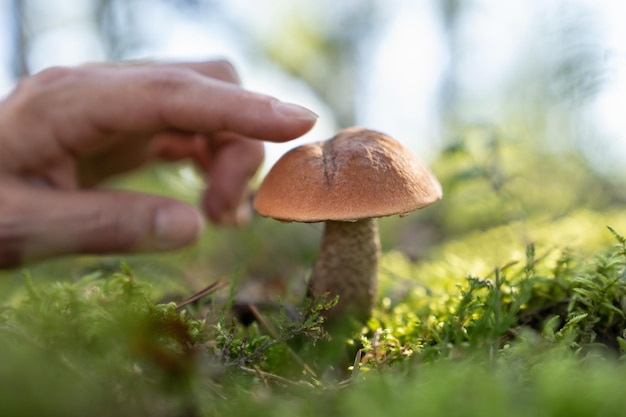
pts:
[102, 346]
[559, 299]
[543, 335]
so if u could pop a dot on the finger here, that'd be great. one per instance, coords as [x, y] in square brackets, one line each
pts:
[82, 107]
[94, 222]
[235, 161]
[188, 102]
[229, 162]
[175, 146]
[220, 69]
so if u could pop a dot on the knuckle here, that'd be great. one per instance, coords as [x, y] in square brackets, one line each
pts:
[32, 94]
[226, 71]
[166, 81]
[49, 78]
[111, 230]
[117, 231]
[55, 74]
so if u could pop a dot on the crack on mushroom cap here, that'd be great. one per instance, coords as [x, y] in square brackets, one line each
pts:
[330, 162]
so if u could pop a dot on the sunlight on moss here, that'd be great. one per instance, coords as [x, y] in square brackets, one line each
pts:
[508, 287]
[478, 253]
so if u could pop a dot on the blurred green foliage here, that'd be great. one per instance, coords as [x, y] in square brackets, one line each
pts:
[505, 297]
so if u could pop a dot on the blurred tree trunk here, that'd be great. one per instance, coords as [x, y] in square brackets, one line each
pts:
[19, 65]
[451, 12]
[114, 20]
[325, 50]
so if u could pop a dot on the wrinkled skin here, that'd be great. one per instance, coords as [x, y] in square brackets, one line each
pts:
[65, 130]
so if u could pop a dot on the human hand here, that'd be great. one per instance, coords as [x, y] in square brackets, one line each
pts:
[65, 130]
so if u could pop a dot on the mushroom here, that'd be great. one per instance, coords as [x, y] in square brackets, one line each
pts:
[347, 182]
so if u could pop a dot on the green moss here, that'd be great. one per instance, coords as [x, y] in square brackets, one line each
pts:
[512, 303]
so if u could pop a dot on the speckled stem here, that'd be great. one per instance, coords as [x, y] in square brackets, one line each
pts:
[347, 266]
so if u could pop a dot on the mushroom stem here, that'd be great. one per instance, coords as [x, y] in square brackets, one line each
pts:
[347, 267]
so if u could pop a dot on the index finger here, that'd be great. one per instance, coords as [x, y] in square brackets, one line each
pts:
[220, 69]
[83, 106]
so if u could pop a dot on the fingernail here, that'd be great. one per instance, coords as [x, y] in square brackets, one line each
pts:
[176, 226]
[294, 111]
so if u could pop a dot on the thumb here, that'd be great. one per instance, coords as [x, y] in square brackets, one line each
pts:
[49, 223]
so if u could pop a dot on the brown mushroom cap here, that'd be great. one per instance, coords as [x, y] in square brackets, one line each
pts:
[357, 174]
